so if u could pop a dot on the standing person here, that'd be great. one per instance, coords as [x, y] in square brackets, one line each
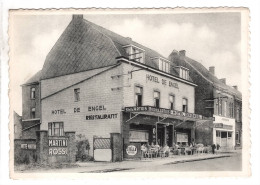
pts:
[213, 146]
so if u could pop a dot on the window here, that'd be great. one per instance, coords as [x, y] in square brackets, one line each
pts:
[77, 94]
[238, 114]
[184, 105]
[237, 137]
[135, 53]
[219, 106]
[156, 96]
[183, 72]
[33, 113]
[138, 96]
[33, 93]
[164, 65]
[217, 133]
[172, 101]
[56, 129]
[225, 108]
[15, 128]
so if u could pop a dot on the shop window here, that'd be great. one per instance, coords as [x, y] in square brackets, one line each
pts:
[33, 113]
[138, 96]
[77, 94]
[56, 129]
[184, 105]
[229, 134]
[172, 102]
[33, 93]
[156, 96]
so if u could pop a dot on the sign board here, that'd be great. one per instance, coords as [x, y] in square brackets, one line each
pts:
[28, 146]
[224, 126]
[132, 151]
[167, 111]
[138, 136]
[182, 137]
[58, 146]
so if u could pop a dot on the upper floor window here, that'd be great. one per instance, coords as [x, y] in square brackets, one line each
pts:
[183, 72]
[238, 115]
[184, 105]
[15, 128]
[219, 106]
[231, 110]
[138, 96]
[33, 93]
[224, 108]
[156, 96]
[56, 129]
[172, 101]
[33, 113]
[77, 94]
[135, 53]
[164, 65]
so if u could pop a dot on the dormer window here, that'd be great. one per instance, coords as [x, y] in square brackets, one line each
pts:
[135, 53]
[163, 64]
[183, 72]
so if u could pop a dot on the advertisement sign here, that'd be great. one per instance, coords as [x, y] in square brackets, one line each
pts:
[182, 137]
[132, 151]
[167, 111]
[58, 146]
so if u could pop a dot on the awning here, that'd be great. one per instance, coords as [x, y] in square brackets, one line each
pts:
[167, 113]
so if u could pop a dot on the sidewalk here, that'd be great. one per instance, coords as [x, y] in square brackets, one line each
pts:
[103, 167]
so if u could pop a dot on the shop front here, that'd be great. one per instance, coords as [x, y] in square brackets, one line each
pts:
[158, 126]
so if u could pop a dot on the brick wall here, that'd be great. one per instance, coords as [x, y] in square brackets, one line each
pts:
[94, 92]
[29, 103]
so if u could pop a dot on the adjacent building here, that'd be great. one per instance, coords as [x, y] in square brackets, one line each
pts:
[95, 82]
[214, 98]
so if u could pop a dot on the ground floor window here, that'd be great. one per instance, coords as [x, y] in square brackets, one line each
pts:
[56, 129]
[237, 137]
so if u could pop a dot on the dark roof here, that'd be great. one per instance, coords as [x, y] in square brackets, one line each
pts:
[85, 46]
[212, 78]
[35, 78]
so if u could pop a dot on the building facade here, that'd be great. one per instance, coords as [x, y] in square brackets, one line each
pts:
[95, 82]
[213, 97]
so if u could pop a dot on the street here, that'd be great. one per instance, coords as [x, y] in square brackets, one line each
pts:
[232, 163]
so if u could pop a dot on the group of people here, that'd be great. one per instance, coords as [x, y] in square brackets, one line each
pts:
[155, 150]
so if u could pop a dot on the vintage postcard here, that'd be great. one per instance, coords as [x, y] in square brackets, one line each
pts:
[107, 91]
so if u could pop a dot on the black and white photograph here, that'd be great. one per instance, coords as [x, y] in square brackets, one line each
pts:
[121, 91]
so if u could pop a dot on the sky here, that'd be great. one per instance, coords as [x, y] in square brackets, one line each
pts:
[213, 39]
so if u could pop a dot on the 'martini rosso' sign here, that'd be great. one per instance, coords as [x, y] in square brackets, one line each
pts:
[58, 146]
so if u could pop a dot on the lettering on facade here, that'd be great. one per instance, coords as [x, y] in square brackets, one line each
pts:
[76, 110]
[30, 146]
[58, 146]
[101, 116]
[96, 108]
[59, 111]
[131, 150]
[167, 111]
[164, 81]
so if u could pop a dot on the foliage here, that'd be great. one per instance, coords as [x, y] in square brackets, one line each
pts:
[83, 148]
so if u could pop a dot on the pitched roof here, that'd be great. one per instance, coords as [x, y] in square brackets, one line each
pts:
[209, 76]
[35, 78]
[85, 46]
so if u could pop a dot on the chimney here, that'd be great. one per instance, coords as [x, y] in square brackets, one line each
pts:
[175, 52]
[129, 38]
[223, 80]
[182, 53]
[212, 70]
[235, 87]
[77, 16]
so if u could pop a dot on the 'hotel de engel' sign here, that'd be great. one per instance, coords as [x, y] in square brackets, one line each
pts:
[167, 111]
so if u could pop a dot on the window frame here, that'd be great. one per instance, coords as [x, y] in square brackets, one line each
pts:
[52, 129]
[33, 93]
[77, 94]
[159, 98]
[136, 94]
[33, 112]
[184, 98]
[170, 106]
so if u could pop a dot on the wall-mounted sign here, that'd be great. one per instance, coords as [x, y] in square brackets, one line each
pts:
[59, 111]
[182, 137]
[30, 146]
[131, 150]
[224, 126]
[162, 81]
[58, 146]
[101, 116]
[167, 111]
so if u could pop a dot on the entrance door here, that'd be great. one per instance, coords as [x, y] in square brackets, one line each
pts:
[223, 139]
[160, 136]
[229, 140]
